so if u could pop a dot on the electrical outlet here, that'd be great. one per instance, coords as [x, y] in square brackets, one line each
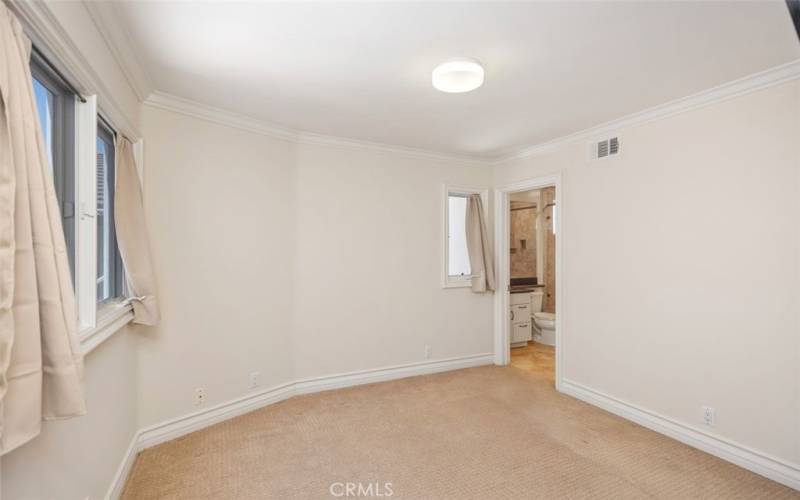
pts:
[708, 415]
[428, 352]
[199, 396]
[254, 380]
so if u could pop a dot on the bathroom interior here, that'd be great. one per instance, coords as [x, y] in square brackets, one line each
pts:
[533, 280]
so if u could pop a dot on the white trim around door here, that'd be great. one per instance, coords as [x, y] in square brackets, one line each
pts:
[502, 348]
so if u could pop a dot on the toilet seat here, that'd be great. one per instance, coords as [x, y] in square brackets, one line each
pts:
[544, 327]
[545, 319]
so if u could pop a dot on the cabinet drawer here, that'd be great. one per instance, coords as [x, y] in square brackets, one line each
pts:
[520, 298]
[521, 313]
[521, 332]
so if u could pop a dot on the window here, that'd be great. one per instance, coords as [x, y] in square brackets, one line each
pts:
[457, 255]
[55, 104]
[45, 104]
[109, 264]
[80, 151]
[456, 269]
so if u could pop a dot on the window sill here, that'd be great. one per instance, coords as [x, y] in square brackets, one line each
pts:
[110, 319]
[458, 284]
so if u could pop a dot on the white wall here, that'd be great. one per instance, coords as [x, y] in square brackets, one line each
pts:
[292, 260]
[77, 458]
[682, 266]
[368, 264]
[220, 209]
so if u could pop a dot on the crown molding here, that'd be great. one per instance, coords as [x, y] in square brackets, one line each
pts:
[729, 90]
[169, 102]
[49, 36]
[114, 31]
[736, 88]
[195, 109]
[344, 143]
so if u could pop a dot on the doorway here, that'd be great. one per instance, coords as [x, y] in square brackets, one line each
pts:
[546, 197]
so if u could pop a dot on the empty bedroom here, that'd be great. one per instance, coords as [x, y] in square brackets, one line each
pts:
[415, 250]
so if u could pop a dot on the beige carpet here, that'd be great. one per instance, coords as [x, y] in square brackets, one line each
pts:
[480, 433]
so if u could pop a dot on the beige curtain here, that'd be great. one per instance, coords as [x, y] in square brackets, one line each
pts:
[41, 366]
[480, 255]
[132, 236]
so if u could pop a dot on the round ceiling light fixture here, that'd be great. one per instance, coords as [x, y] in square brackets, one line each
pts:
[458, 75]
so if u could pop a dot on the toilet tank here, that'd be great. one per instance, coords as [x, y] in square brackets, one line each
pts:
[536, 300]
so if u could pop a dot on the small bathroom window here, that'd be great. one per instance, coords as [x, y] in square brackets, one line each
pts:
[457, 256]
[456, 268]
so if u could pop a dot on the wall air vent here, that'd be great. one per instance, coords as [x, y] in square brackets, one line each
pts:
[604, 148]
[613, 146]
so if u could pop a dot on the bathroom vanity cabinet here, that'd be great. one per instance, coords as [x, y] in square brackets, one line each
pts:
[520, 318]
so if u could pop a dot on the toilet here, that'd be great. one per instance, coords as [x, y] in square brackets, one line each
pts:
[544, 328]
[543, 323]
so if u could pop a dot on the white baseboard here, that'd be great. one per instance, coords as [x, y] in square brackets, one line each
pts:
[753, 460]
[177, 427]
[124, 470]
[318, 384]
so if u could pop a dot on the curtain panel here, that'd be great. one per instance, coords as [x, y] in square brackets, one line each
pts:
[41, 365]
[480, 254]
[132, 237]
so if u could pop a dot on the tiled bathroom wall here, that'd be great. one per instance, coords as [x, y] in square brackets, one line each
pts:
[523, 239]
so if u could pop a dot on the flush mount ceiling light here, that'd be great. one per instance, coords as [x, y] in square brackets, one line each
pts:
[458, 75]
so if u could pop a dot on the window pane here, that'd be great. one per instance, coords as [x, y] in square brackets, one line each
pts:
[458, 258]
[55, 105]
[44, 104]
[103, 260]
[109, 265]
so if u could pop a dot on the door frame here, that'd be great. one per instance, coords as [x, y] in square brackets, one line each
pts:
[502, 347]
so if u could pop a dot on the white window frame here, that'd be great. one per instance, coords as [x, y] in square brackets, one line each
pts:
[86, 201]
[97, 322]
[447, 190]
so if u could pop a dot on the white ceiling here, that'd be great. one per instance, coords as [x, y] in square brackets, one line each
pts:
[362, 70]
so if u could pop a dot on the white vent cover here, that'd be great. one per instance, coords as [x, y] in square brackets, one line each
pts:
[604, 149]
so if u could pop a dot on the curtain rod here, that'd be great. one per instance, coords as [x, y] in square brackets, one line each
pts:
[58, 73]
[107, 124]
